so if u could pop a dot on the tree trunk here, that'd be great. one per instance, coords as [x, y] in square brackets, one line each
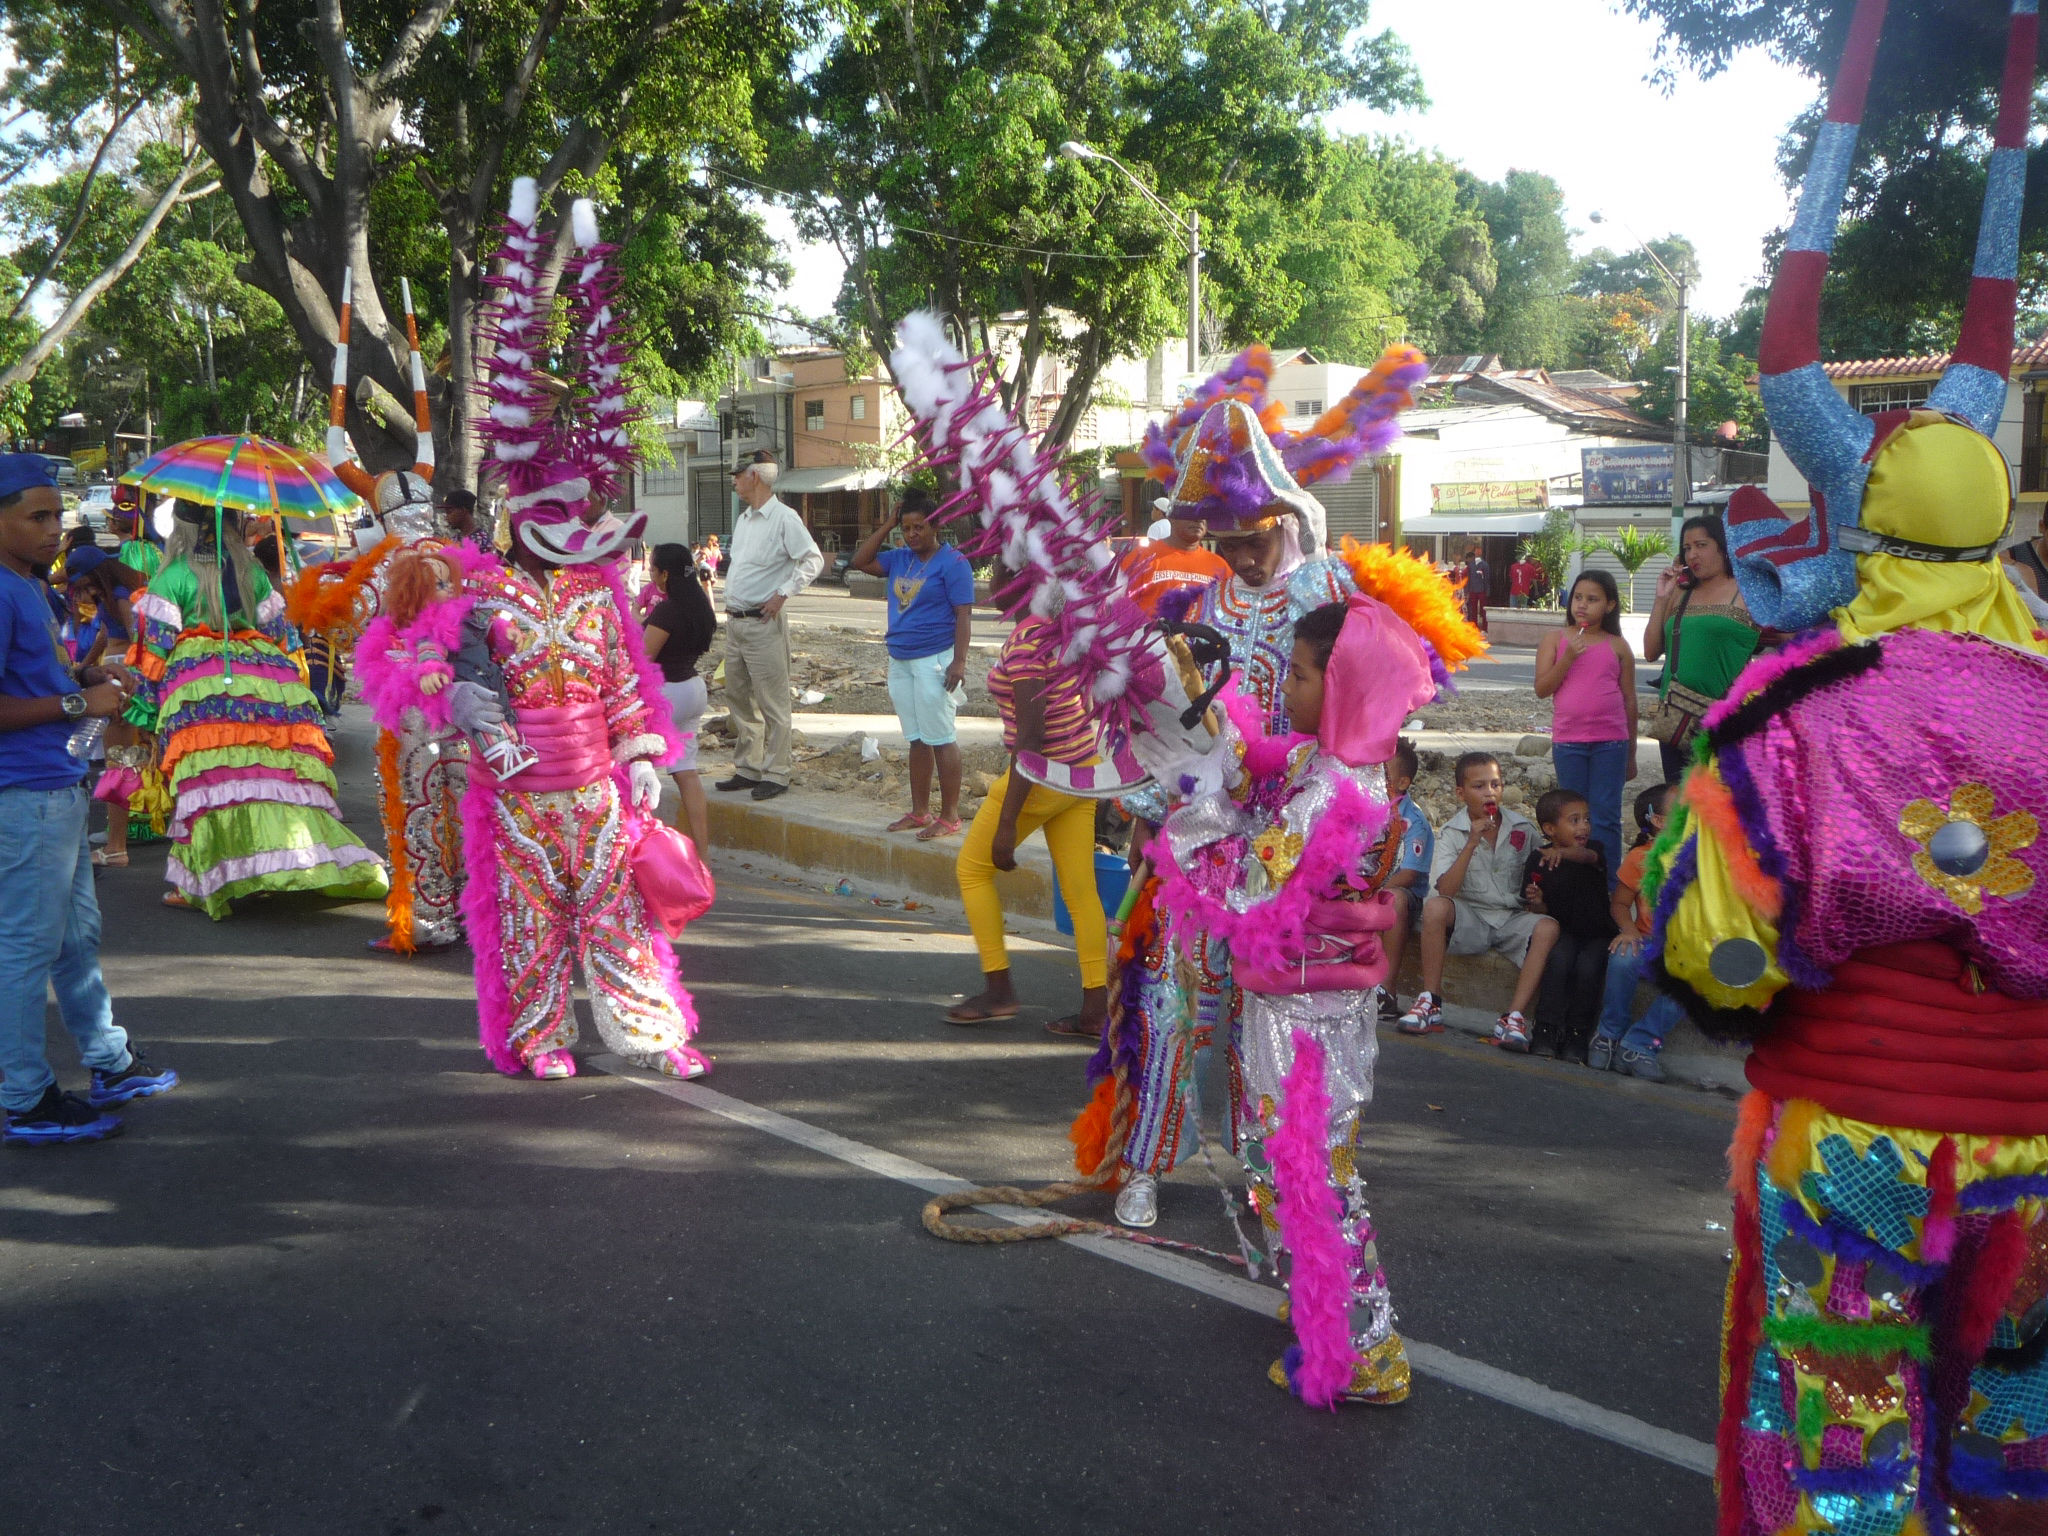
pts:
[30, 362]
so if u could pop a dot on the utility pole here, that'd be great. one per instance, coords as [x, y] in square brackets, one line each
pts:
[1681, 453]
[1194, 291]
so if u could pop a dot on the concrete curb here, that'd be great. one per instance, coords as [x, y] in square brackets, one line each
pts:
[809, 836]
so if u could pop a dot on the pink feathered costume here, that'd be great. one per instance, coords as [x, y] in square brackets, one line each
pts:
[550, 847]
[1276, 869]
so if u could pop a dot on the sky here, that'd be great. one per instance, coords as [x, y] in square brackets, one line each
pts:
[1558, 86]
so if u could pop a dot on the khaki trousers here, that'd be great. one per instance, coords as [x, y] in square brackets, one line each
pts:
[757, 693]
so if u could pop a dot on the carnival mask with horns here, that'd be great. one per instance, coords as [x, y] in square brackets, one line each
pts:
[403, 499]
[1925, 485]
[562, 461]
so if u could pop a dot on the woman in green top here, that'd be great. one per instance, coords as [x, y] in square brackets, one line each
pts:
[1701, 620]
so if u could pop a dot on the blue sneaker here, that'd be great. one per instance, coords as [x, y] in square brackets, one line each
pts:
[1600, 1054]
[137, 1080]
[57, 1117]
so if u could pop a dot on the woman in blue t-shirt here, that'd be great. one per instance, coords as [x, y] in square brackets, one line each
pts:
[931, 622]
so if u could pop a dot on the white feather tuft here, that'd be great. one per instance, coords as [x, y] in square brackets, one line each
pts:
[583, 223]
[525, 201]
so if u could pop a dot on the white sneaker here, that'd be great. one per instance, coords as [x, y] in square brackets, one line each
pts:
[1137, 1204]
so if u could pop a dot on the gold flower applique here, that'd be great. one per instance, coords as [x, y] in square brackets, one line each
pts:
[1271, 859]
[1965, 851]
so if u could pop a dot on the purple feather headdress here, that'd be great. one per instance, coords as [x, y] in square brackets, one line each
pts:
[1230, 463]
[560, 464]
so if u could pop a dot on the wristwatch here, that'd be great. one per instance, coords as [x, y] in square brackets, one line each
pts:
[73, 705]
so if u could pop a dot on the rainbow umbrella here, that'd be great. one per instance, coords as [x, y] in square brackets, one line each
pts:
[247, 473]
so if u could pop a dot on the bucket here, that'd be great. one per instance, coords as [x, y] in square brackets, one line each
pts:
[1112, 879]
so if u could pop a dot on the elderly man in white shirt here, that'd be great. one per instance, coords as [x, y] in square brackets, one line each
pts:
[772, 558]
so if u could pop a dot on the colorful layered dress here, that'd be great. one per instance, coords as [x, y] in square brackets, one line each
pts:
[249, 765]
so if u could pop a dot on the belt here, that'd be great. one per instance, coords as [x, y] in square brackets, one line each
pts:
[746, 613]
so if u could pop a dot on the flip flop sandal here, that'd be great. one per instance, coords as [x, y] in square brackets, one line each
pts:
[173, 899]
[960, 1015]
[940, 827]
[910, 821]
[106, 860]
[1072, 1028]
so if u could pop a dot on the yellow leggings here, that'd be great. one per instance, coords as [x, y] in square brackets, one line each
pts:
[1069, 826]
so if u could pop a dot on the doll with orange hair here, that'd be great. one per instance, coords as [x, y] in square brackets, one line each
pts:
[416, 579]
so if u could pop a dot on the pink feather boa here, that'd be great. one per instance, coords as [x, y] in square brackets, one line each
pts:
[1765, 670]
[1273, 935]
[1312, 1226]
[485, 926]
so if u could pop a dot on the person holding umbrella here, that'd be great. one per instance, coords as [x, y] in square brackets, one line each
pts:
[249, 764]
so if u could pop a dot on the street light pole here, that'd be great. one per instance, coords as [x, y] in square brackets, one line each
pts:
[1681, 453]
[1681, 456]
[1188, 226]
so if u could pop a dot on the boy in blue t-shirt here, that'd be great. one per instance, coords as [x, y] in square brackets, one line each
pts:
[1410, 879]
[49, 913]
[931, 619]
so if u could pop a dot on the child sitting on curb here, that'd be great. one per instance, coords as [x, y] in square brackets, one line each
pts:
[1634, 1049]
[1475, 905]
[1567, 880]
[1409, 883]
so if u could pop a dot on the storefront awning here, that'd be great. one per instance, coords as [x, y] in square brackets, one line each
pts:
[836, 477]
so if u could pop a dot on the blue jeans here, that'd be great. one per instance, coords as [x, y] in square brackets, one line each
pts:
[49, 934]
[1625, 968]
[1596, 770]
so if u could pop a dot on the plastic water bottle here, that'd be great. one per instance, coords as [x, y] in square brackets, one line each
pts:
[85, 738]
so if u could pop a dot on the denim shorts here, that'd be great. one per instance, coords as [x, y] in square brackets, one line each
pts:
[917, 689]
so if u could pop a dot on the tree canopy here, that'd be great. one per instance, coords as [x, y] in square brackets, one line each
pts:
[381, 137]
[923, 142]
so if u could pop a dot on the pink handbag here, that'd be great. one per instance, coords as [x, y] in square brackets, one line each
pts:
[675, 883]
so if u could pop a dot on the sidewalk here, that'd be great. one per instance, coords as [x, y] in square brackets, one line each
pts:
[829, 840]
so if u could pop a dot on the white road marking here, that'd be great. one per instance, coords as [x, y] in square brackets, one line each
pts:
[1472, 1375]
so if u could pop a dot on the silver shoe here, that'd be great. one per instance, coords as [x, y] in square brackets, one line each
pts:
[1137, 1204]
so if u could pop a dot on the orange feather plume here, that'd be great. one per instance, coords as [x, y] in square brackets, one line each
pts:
[322, 598]
[1710, 800]
[398, 904]
[1420, 597]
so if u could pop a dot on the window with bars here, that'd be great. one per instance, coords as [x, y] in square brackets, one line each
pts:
[814, 415]
[1308, 407]
[1870, 399]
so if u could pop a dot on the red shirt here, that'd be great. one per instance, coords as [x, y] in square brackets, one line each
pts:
[1523, 576]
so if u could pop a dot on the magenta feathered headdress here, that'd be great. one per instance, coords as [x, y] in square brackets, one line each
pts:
[1228, 459]
[560, 466]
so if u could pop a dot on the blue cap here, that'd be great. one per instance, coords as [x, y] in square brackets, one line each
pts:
[84, 560]
[23, 472]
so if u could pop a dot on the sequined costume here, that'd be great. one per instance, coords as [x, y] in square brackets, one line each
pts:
[1854, 880]
[550, 847]
[248, 764]
[1275, 866]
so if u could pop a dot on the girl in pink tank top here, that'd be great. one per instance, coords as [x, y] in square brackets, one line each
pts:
[1588, 669]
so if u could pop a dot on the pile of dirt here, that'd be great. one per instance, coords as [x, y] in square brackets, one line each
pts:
[845, 669]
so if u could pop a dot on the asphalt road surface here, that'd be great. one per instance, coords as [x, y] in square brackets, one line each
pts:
[348, 1279]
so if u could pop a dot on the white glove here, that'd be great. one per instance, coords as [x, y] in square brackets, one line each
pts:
[646, 784]
[473, 707]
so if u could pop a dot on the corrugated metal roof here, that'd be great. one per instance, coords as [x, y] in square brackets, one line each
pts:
[2031, 357]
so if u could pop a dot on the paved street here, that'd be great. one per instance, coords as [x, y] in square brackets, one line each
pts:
[348, 1279]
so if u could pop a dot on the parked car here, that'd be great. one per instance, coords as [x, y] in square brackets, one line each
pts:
[65, 471]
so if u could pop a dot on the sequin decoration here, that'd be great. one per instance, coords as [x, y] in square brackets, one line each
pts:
[1965, 851]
